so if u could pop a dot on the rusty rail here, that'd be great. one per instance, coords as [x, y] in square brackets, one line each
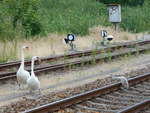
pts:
[77, 54]
[54, 106]
[11, 75]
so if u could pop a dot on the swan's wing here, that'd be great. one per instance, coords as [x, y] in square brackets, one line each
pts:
[26, 73]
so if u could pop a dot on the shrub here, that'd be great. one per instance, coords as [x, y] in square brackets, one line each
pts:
[23, 13]
[136, 19]
[65, 16]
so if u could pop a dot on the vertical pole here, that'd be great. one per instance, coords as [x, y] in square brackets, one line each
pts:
[72, 46]
[116, 25]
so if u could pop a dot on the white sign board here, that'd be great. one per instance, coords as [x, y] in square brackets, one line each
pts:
[115, 13]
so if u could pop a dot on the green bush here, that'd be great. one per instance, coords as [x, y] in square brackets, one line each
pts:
[136, 19]
[22, 13]
[65, 16]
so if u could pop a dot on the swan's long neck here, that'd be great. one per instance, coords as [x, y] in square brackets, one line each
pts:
[22, 58]
[32, 67]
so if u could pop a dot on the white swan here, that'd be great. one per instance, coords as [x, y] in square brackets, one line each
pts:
[33, 82]
[124, 81]
[22, 75]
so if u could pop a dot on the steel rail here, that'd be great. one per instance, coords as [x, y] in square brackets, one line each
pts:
[11, 75]
[136, 107]
[77, 54]
[54, 106]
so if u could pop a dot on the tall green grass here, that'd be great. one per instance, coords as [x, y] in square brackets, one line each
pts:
[135, 19]
[75, 16]
[78, 16]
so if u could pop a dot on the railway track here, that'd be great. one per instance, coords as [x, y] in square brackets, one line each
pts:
[73, 55]
[86, 57]
[112, 98]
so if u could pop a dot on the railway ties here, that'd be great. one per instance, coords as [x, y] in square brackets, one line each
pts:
[114, 102]
[75, 59]
[145, 110]
[108, 99]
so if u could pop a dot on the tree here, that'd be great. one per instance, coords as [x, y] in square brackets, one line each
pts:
[26, 13]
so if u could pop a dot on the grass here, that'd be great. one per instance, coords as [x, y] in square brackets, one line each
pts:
[8, 51]
[63, 16]
[135, 19]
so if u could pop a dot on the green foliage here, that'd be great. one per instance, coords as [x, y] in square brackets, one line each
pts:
[22, 13]
[136, 19]
[65, 16]
[27, 18]
[123, 2]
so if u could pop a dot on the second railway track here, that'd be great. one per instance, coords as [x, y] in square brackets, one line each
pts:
[77, 54]
[82, 58]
